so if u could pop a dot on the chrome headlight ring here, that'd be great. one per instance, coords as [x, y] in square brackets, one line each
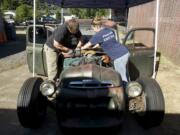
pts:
[47, 88]
[134, 89]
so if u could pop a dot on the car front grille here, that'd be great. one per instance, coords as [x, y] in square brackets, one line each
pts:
[90, 84]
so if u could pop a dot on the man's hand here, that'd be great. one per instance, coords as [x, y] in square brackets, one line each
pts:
[60, 47]
[80, 43]
[78, 48]
[69, 54]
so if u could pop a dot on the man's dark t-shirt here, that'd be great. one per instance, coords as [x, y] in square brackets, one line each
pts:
[63, 36]
[106, 39]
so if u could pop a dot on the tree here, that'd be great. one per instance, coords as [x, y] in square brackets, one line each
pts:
[14, 4]
[101, 12]
[88, 13]
[0, 12]
[38, 4]
[23, 12]
[47, 11]
[6, 4]
[22, 2]
[38, 8]
[58, 15]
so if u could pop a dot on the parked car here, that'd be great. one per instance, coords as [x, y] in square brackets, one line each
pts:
[48, 20]
[89, 92]
[69, 16]
[9, 18]
[28, 21]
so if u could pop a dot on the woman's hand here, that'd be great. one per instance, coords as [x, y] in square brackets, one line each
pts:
[86, 46]
[106, 59]
[96, 46]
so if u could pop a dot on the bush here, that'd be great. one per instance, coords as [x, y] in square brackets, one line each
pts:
[0, 12]
[23, 12]
[58, 15]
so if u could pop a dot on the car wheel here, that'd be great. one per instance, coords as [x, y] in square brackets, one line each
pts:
[154, 102]
[31, 104]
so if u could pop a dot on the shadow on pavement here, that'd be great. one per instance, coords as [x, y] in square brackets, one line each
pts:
[9, 124]
[13, 47]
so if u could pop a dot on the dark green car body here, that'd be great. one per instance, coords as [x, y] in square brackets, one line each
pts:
[89, 93]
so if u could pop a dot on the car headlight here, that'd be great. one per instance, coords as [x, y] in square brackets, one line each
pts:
[47, 88]
[134, 89]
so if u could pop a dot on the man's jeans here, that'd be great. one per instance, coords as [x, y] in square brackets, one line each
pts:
[120, 65]
[52, 60]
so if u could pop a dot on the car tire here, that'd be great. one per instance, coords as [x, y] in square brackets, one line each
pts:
[31, 104]
[155, 105]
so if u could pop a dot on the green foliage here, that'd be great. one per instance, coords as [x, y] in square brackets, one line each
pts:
[47, 11]
[22, 2]
[6, 4]
[23, 12]
[88, 13]
[38, 8]
[101, 12]
[38, 4]
[58, 15]
[0, 12]
[11, 4]
[38, 13]
[14, 4]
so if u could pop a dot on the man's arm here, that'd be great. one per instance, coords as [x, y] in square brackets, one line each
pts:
[59, 46]
[80, 43]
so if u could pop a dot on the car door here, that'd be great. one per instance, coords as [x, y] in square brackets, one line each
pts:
[42, 32]
[140, 42]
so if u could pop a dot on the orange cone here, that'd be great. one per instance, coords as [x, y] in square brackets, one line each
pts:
[3, 37]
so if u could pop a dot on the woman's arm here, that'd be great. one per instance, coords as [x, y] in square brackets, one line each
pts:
[96, 46]
[86, 46]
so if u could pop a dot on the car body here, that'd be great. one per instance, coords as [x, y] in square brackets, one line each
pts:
[89, 92]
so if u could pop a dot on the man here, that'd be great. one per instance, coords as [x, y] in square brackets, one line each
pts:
[105, 37]
[62, 41]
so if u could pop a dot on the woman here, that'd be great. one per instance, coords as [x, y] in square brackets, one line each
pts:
[105, 37]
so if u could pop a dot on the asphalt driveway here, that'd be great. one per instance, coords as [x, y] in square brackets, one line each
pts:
[13, 47]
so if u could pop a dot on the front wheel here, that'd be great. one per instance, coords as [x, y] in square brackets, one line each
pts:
[31, 104]
[154, 102]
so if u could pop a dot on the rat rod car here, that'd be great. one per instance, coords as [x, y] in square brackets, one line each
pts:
[89, 92]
